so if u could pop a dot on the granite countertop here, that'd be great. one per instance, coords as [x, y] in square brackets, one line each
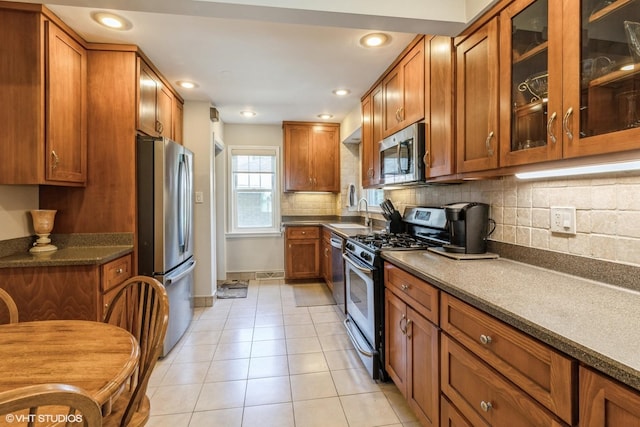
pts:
[78, 249]
[594, 322]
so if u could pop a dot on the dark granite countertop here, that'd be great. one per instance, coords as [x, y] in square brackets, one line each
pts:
[594, 322]
[78, 249]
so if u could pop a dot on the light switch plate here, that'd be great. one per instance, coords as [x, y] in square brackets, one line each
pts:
[563, 220]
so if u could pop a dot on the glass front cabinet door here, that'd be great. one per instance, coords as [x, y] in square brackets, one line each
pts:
[574, 79]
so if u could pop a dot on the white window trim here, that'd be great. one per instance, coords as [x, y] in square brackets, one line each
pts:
[232, 231]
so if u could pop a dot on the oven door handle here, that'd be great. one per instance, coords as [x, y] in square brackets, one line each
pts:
[356, 266]
[355, 341]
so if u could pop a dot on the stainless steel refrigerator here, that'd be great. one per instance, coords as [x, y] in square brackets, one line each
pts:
[165, 226]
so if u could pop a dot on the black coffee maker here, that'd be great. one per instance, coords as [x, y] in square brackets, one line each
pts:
[468, 225]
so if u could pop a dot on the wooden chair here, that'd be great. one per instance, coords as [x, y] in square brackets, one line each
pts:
[10, 304]
[65, 402]
[141, 306]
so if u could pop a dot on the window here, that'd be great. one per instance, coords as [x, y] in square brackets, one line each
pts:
[374, 197]
[253, 190]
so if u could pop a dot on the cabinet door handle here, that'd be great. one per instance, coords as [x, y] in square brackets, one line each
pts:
[485, 339]
[56, 159]
[427, 159]
[485, 406]
[565, 123]
[549, 127]
[487, 142]
[398, 115]
[406, 328]
[403, 330]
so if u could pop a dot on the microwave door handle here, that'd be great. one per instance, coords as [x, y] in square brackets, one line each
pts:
[399, 151]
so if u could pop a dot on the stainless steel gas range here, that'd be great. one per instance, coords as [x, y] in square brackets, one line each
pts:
[422, 227]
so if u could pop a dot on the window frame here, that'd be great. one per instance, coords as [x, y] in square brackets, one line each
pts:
[232, 226]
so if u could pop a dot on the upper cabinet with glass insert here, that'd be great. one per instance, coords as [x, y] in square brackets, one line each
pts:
[574, 79]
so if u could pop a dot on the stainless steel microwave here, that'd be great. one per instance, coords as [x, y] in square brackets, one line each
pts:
[401, 156]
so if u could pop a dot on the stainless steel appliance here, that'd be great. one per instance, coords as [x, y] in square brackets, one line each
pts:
[364, 278]
[401, 156]
[468, 225]
[337, 272]
[165, 226]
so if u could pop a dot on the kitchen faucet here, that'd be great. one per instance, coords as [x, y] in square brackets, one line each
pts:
[367, 220]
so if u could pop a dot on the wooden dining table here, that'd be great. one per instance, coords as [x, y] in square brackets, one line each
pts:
[94, 356]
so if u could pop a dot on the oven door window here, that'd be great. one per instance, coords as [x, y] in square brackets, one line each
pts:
[360, 299]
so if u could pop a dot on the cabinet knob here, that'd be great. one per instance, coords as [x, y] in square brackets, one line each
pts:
[485, 339]
[119, 271]
[404, 286]
[485, 406]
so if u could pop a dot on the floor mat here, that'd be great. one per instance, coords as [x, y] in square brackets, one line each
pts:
[312, 294]
[232, 289]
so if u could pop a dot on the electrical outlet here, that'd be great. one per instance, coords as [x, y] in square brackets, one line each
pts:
[199, 197]
[563, 220]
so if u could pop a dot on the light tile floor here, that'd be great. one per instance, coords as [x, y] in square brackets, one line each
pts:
[262, 361]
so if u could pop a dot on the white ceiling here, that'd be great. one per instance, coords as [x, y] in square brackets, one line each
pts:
[280, 58]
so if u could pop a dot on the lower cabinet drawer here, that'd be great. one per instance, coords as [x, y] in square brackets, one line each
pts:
[116, 272]
[407, 285]
[542, 372]
[450, 417]
[482, 396]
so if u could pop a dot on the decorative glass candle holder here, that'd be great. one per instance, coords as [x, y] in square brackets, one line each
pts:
[43, 225]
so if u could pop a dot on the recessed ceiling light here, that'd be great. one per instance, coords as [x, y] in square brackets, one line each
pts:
[247, 113]
[111, 20]
[341, 92]
[325, 116]
[627, 67]
[187, 84]
[374, 40]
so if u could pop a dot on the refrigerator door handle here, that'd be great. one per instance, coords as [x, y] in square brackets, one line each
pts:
[188, 203]
[182, 218]
[180, 274]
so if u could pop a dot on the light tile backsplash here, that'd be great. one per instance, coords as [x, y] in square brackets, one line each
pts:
[607, 212]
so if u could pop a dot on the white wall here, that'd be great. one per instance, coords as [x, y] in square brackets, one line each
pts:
[198, 131]
[15, 203]
[253, 254]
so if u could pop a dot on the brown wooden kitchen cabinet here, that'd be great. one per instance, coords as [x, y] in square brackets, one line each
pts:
[372, 131]
[477, 92]
[302, 252]
[411, 342]
[45, 100]
[327, 262]
[65, 292]
[484, 397]
[439, 157]
[564, 90]
[107, 204]
[311, 156]
[155, 104]
[541, 372]
[606, 403]
[403, 90]
[178, 119]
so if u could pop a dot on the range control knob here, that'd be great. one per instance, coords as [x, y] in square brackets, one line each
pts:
[365, 255]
